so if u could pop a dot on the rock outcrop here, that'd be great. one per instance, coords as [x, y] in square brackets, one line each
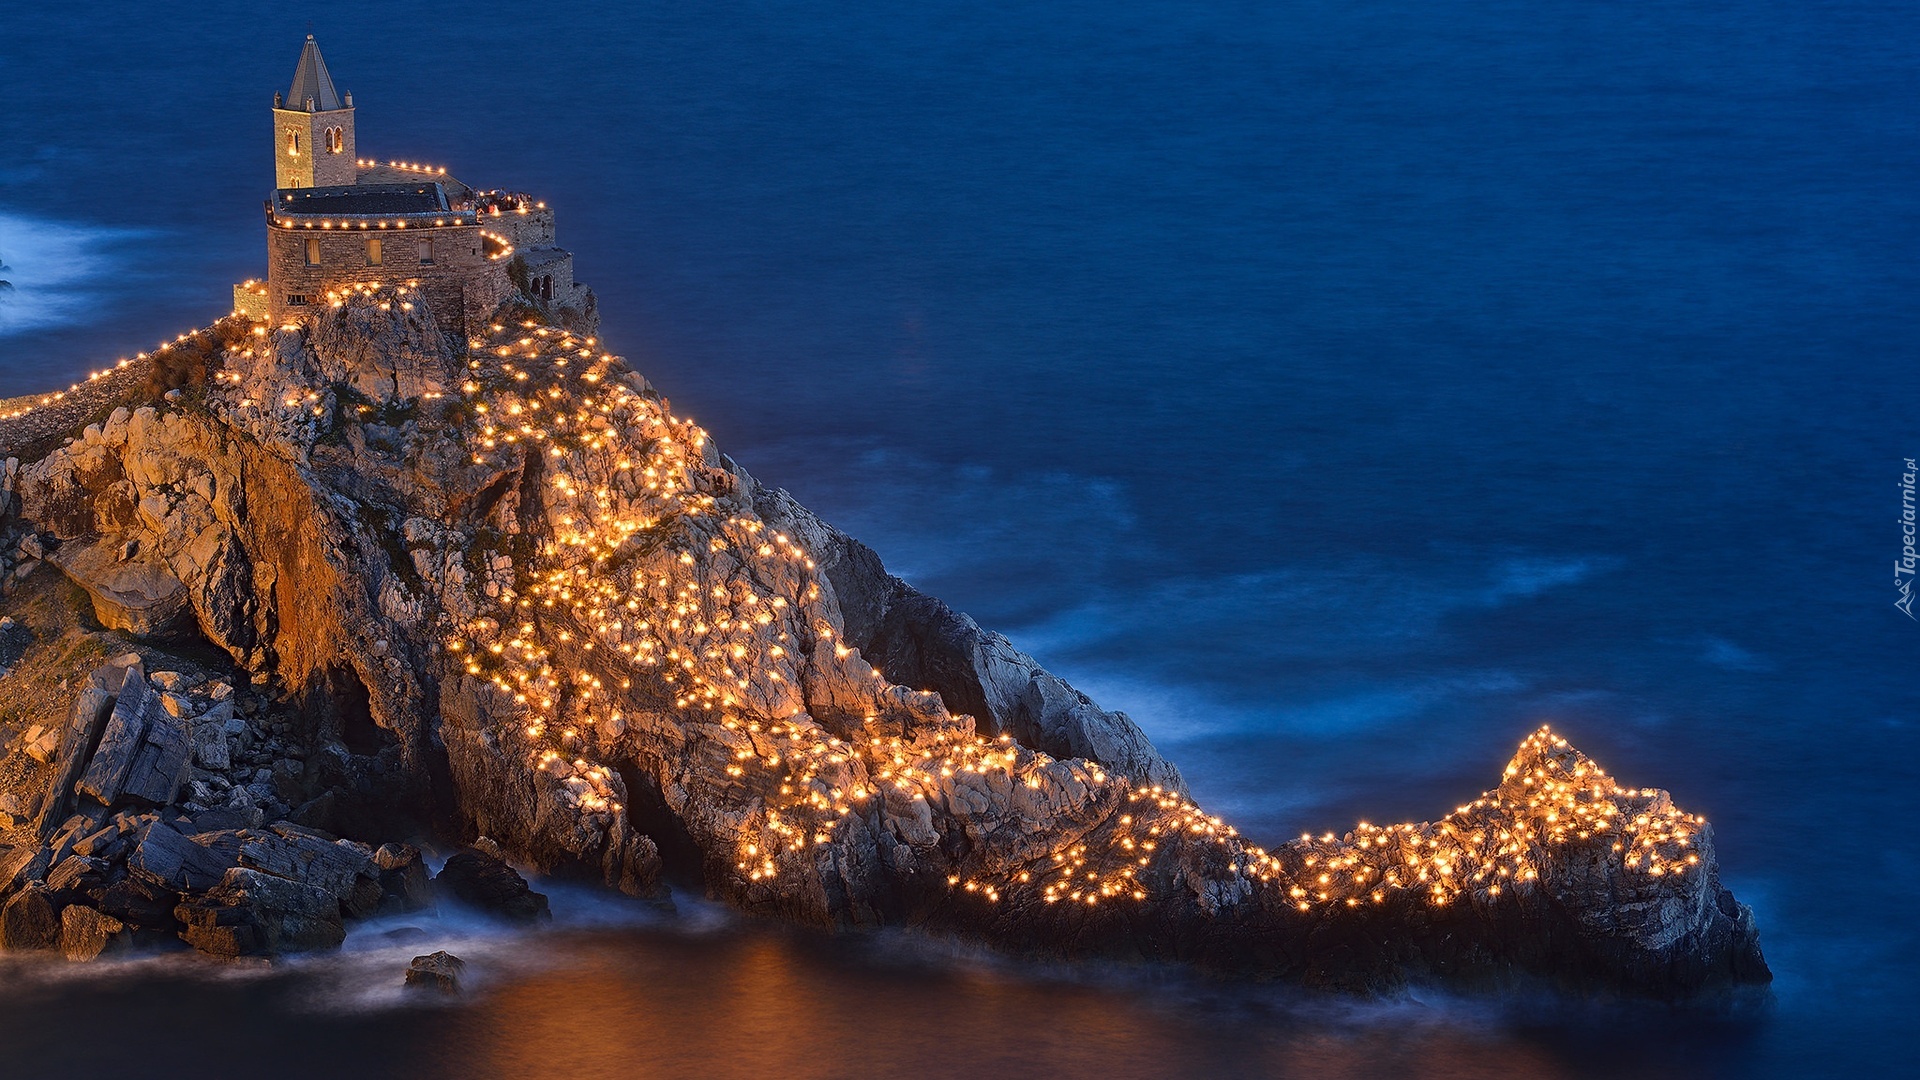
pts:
[86, 934]
[173, 821]
[487, 883]
[29, 920]
[130, 590]
[509, 593]
[439, 971]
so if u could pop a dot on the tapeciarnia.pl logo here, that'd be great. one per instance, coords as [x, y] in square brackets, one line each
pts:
[1903, 567]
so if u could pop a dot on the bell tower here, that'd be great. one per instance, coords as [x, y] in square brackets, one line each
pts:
[312, 128]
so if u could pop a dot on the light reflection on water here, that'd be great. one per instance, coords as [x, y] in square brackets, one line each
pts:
[701, 994]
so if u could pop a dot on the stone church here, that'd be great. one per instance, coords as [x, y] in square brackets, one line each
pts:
[336, 219]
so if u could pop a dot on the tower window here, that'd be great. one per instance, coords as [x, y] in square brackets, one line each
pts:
[373, 251]
[313, 251]
[293, 144]
[426, 253]
[296, 299]
[336, 140]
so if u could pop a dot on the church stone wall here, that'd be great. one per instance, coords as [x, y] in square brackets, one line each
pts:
[457, 261]
[533, 229]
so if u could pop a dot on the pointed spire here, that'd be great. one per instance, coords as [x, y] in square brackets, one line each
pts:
[312, 87]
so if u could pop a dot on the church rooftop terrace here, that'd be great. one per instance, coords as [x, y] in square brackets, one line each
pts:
[366, 200]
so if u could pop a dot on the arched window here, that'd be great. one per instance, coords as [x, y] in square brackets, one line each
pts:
[293, 144]
[336, 140]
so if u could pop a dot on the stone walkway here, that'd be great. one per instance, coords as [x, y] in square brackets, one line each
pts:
[31, 435]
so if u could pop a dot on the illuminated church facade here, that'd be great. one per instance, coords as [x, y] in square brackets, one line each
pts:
[336, 220]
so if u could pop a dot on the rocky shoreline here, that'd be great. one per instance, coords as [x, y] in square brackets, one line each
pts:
[495, 588]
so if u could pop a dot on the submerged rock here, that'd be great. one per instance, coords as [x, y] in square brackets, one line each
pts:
[439, 971]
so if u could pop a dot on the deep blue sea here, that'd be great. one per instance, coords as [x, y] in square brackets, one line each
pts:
[1342, 389]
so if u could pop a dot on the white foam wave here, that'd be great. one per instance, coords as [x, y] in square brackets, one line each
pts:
[57, 270]
[365, 974]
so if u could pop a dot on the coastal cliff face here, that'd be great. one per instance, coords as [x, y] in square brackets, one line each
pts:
[504, 592]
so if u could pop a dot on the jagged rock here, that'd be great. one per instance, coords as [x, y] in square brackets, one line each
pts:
[41, 745]
[13, 811]
[405, 884]
[634, 867]
[210, 746]
[111, 675]
[174, 861]
[160, 768]
[75, 873]
[144, 754]
[319, 812]
[439, 971]
[85, 933]
[340, 868]
[21, 865]
[215, 821]
[920, 641]
[288, 779]
[141, 904]
[30, 921]
[71, 832]
[140, 595]
[251, 913]
[492, 886]
[120, 742]
[103, 843]
[219, 714]
[386, 355]
[85, 723]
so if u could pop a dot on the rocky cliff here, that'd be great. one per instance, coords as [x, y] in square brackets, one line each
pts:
[497, 588]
